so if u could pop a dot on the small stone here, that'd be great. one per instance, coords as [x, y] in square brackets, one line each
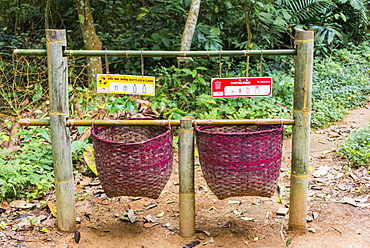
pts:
[309, 218]
[282, 211]
[149, 225]
[315, 215]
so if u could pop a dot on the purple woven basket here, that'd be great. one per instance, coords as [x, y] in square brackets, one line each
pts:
[133, 160]
[240, 160]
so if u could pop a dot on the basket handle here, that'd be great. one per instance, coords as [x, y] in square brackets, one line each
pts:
[169, 125]
[196, 127]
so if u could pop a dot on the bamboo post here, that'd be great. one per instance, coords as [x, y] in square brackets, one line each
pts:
[301, 130]
[60, 138]
[186, 178]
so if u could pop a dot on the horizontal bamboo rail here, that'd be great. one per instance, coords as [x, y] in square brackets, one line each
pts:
[72, 122]
[130, 53]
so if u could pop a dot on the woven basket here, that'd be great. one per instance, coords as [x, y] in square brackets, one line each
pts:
[133, 160]
[240, 160]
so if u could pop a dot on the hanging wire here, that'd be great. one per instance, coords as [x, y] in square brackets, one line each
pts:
[142, 63]
[106, 62]
[261, 68]
[220, 61]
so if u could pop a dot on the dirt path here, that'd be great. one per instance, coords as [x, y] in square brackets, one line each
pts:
[338, 216]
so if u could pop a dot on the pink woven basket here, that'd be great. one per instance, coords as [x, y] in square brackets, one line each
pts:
[240, 160]
[133, 160]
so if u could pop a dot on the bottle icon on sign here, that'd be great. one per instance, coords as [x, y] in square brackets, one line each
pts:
[134, 88]
[257, 90]
[144, 88]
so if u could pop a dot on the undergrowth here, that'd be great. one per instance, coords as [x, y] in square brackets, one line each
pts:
[28, 173]
[356, 149]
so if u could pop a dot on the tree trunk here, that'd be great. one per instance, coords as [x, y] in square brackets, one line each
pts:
[91, 40]
[47, 12]
[248, 10]
[191, 23]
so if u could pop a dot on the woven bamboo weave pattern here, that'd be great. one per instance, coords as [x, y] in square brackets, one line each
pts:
[133, 160]
[240, 160]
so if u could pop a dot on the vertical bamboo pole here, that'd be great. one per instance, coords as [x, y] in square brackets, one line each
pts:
[301, 130]
[60, 138]
[186, 177]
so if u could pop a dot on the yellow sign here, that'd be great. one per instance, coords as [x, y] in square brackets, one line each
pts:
[126, 84]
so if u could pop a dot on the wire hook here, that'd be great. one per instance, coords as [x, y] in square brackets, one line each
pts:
[261, 69]
[106, 62]
[220, 61]
[142, 63]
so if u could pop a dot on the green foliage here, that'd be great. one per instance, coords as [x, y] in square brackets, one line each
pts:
[207, 37]
[303, 10]
[357, 148]
[335, 22]
[139, 25]
[185, 92]
[29, 172]
[122, 104]
[24, 85]
[339, 84]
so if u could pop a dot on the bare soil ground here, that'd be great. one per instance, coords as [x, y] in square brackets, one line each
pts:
[338, 216]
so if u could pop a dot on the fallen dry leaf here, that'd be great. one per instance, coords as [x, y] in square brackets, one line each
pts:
[52, 208]
[349, 200]
[151, 205]
[246, 218]
[321, 171]
[132, 216]
[211, 240]
[149, 225]
[160, 215]
[22, 204]
[90, 159]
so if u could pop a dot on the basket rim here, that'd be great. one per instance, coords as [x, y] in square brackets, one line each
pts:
[279, 127]
[94, 129]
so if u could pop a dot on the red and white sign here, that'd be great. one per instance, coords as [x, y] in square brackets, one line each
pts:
[239, 87]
